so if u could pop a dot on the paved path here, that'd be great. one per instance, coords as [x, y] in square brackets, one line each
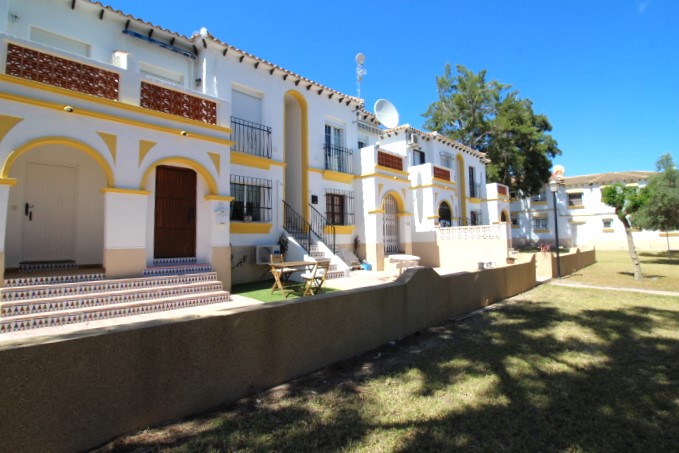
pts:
[612, 288]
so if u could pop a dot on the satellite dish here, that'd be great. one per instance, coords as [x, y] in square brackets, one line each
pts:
[360, 58]
[386, 113]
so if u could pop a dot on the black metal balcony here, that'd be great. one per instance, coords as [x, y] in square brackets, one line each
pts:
[338, 158]
[250, 137]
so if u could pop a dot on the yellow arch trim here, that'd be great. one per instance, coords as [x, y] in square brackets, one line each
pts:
[200, 169]
[399, 201]
[305, 149]
[87, 149]
[462, 185]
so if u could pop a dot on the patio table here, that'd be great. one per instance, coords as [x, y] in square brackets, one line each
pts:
[402, 261]
[276, 270]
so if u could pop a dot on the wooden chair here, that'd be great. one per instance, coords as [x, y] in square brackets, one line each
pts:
[280, 274]
[314, 279]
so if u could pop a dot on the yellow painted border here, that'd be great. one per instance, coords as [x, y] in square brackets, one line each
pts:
[579, 206]
[336, 176]
[608, 230]
[377, 211]
[340, 229]
[8, 182]
[390, 170]
[200, 169]
[42, 141]
[475, 200]
[219, 198]
[541, 231]
[250, 228]
[670, 234]
[462, 177]
[443, 181]
[249, 160]
[383, 176]
[109, 117]
[125, 191]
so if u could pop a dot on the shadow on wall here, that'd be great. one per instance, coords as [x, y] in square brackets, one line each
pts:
[109, 382]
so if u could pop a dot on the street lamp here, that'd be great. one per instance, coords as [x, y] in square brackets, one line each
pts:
[554, 187]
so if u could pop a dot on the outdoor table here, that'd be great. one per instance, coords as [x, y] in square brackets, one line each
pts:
[404, 261]
[279, 284]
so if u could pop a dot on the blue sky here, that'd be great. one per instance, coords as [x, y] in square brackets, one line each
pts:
[605, 72]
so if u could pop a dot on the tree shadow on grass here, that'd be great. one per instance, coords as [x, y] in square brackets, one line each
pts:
[645, 276]
[529, 376]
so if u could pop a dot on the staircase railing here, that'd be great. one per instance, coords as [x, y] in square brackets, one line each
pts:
[323, 229]
[299, 228]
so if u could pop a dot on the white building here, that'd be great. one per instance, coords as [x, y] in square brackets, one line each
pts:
[123, 143]
[583, 219]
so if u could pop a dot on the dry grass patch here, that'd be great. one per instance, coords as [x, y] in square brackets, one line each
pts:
[614, 268]
[555, 369]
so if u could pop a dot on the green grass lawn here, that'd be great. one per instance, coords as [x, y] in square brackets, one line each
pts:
[554, 369]
[261, 291]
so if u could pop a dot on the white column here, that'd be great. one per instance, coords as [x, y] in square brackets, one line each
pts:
[125, 232]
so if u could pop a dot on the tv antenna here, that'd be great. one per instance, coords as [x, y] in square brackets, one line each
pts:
[360, 71]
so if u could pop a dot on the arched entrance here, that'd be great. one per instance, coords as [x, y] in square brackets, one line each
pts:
[56, 209]
[445, 216]
[390, 225]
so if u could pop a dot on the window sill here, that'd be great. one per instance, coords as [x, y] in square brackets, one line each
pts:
[250, 228]
[541, 231]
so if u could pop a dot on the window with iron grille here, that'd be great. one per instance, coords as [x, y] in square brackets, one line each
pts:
[252, 199]
[339, 207]
[540, 223]
[542, 196]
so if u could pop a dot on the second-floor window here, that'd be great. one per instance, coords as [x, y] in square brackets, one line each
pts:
[418, 157]
[337, 157]
[473, 189]
[540, 223]
[575, 199]
[252, 199]
[539, 197]
[446, 160]
[608, 223]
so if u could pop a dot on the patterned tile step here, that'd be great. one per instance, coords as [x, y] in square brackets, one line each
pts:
[100, 286]
[177, 270]
[46, 266]
[337, 274]
[173, 261]
[116, 311]
[52, 280]
[73, 302]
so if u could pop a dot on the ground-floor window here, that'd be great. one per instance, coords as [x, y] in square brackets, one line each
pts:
[540, 223]
[252, 199]
[339, 207]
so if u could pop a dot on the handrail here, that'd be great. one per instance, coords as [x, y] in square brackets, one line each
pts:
[323, 229]
[299, 228]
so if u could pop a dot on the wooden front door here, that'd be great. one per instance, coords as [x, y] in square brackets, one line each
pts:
[175, 216]
[49, 213]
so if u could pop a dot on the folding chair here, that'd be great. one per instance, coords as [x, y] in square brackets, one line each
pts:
[280, 274]
[314, 279]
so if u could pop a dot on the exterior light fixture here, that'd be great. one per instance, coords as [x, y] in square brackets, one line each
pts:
[184, 133]
[68, 108]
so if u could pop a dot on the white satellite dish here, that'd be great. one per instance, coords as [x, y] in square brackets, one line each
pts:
[386, 113]
[360, 58]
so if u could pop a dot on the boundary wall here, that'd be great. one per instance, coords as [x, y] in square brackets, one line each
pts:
[74, 392]
[570, 262]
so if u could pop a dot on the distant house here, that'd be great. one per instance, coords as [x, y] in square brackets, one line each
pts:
[123, 144]
[584, 220]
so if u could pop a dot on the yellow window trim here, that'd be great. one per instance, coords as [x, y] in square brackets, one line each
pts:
[474, 200]
[608, 230]
[541, 231]
[219, 198]
[515, 227]
[250, 228]
[377, 211]
[340, 229]
[249, 160]
[538, 203]
[578, 206]
[336, 176]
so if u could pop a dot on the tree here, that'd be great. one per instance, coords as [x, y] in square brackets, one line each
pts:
[661, 208]
[486, 116]
[626, 200]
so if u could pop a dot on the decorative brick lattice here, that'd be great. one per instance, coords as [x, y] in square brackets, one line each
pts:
[442, 173]
[389, 160]
[470, 233]
[176, 103]
[41, 67]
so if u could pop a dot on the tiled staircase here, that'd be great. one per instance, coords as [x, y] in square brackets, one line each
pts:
[318, 255]
[32, 301]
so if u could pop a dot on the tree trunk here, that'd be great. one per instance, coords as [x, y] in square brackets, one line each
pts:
[633, 253]
[669, 253]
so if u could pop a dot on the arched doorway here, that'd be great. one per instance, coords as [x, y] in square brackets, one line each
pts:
[445, 216]
[390, 225]
[57, 206]
[503, 217]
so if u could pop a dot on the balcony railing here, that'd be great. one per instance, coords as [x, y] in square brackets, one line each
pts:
[338, 158]
[44, 68]
[177, 103]
[250, 137]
